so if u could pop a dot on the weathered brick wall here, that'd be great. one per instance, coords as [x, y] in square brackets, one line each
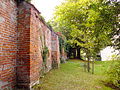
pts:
[23, 36]
[40, 36]
[48, 44]
[30, 55]
[23, 54]
[8, 43]
[55, 50]
[35, 46]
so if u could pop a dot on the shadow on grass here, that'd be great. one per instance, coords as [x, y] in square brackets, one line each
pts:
[111, 85]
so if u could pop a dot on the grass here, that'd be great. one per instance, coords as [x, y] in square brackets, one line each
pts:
[71, 76]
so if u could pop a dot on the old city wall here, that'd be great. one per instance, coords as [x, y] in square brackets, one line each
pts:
[23, 38]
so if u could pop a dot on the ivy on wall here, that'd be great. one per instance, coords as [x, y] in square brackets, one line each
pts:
[45, 53]
[61, 44]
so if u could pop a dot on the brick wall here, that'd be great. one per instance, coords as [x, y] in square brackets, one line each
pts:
[48, 44]
[35, 46]
[23, 54]
[23, 35]
[55, 50]
[8, 43]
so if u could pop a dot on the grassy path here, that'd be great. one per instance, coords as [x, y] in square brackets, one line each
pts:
[71, 76]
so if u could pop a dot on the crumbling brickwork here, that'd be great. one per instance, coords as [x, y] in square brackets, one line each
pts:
[23, 36]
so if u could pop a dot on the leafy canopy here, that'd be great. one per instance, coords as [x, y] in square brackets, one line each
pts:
[86, 23]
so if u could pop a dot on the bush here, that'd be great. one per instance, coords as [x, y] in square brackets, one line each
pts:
[114, 72]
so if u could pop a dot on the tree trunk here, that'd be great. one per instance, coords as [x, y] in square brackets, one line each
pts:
[78, 53]
[88, 64]
[69, 53]
[74, 52]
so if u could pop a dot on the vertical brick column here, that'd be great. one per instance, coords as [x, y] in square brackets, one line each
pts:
[23, 54]
[48, 44]
[8, 44]
[55, 50]
[35, 47]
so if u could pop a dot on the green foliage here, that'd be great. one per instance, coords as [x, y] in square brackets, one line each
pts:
[61, 44]
[88, 24]
[28, 0]
[114, 72]
[116, 23]
[45, 53]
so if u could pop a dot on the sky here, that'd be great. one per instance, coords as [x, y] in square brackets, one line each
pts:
[46, 7]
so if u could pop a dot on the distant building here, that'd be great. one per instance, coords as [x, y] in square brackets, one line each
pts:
[108, 52]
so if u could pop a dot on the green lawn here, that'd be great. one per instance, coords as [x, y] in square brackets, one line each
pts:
[71, 76]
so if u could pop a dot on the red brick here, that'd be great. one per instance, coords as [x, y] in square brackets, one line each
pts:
[21, 44]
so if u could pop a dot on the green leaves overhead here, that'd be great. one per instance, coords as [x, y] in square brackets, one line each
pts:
[86, 23]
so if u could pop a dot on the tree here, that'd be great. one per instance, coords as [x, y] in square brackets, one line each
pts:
[115, 5]
[80, 23]
[87, 24]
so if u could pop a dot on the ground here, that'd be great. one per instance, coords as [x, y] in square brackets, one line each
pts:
[71, 76]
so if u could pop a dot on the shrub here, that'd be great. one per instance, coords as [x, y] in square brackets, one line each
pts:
[114, 72]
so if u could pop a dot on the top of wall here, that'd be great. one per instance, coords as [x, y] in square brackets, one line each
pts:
[38, 13]
[41, 19]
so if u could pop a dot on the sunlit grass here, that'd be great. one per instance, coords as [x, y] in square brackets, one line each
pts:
[71, 76]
